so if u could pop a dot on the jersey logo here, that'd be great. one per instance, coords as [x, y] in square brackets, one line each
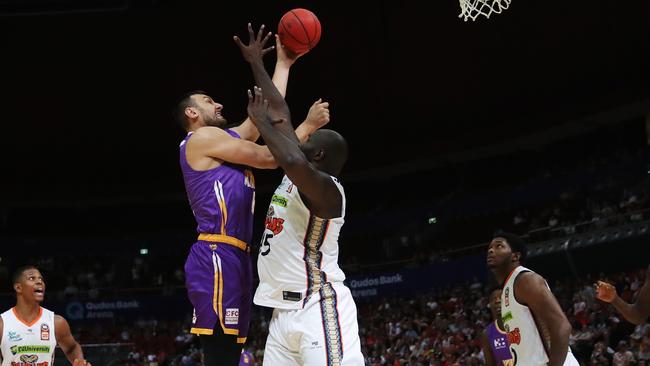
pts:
[249, 179]
[514, 337]
[500, 343]
[29, 358]
[506, 318]
[507, 296]
[279, 200]
[29, 349]
[45, 332]
[14, 337]
[275, 224]
[232, 316]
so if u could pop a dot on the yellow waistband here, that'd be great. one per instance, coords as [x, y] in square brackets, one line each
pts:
[219, 238]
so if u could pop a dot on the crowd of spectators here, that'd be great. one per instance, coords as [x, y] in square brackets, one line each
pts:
[442, 328]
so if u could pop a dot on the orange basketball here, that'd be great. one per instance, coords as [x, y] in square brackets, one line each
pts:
[299, 30]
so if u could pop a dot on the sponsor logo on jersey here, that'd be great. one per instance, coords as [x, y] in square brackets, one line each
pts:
[506, 318]
[29, 360]
[14, 337]
[507, 296]
[500, 343]
[514, 337]
[45, 332]
[279, 200]
[17, 350]
[232, 316]
[275, 224]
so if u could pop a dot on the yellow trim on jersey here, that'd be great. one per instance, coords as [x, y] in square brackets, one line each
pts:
[217, 299]
[225, 239]
[241, 340]
[201, 331]
[221, 199]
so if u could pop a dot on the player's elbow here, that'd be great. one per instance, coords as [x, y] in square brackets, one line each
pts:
[564, 329]
[294, 160]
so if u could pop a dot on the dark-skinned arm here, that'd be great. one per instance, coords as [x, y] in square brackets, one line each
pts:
[253, 53]
[531, 290]
[636, 313]
[322, 195]
[487, 350]
[68, 344]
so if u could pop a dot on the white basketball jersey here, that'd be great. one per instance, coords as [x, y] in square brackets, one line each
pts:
[26, 344]
[525, 341]
[299, 251]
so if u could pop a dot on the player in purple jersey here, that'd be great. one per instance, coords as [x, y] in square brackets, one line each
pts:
[494, 340]
[246, 358]
[220, 187]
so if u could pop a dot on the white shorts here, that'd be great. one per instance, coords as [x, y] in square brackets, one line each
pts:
[323, 333]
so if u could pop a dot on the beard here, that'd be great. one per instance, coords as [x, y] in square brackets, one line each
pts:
[214, 121]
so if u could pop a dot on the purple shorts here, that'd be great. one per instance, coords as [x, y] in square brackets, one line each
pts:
[219, 281]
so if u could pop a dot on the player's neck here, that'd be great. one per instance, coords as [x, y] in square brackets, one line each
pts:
[502, 273]
[27, 311]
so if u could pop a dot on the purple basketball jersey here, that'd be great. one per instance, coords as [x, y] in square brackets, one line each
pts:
[499, 345]
[222, 199]
[246, 358]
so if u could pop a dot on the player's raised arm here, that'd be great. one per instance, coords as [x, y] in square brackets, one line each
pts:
[253, 53]
[285, 59]
[218, 144]
[325, 148]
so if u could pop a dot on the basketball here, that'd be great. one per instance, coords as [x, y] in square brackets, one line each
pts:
[299, 30]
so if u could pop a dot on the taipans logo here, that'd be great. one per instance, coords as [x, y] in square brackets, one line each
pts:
[14, 337]
[29, 360]
[514, 337]
[507, 296]
[45, 332]
[16, 350]
[279, 200]
[275, 224]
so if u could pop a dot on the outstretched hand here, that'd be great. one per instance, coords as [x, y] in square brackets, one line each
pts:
[258, 108]
[318, 115]
[605, 291]
[285, 55]
[78, 362]
[254, 50]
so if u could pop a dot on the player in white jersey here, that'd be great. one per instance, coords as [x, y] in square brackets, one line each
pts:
[537, 327]
[31, 333]
[314, 319]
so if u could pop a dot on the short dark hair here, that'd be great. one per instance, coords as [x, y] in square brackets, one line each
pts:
[516, 243]
[18, 273]
[184, 102]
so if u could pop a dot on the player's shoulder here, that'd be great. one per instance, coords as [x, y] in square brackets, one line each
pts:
[529, 277]
[211, 134]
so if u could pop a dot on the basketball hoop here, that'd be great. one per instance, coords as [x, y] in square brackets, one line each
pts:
[471, 9]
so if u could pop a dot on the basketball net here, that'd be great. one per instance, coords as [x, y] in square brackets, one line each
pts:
[471, 9]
